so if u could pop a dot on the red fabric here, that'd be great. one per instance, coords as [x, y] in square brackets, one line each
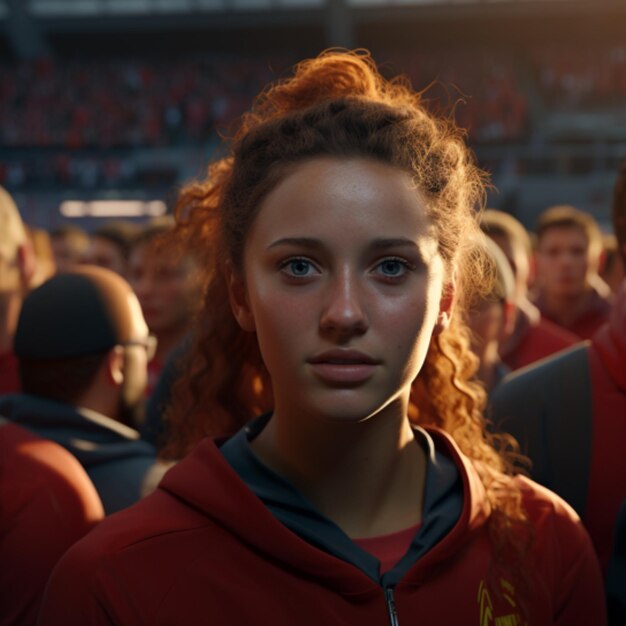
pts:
[607, 477]
[47, 503]
[203, 548]
[9, 374]
[588, 322]
[389, 549]
[537, 341]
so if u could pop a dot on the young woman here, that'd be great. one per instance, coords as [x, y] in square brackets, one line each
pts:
[340, 247]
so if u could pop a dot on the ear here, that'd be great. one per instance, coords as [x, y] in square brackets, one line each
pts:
[114, 366]
[510, 317]
[27, 262]
[238, 298]
[445, 306]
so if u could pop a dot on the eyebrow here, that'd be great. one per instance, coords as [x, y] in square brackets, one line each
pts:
[380, 243]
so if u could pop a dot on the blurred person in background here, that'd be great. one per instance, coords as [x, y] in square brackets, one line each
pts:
[83, 348]
[491, 319]
[69, 246]
[47, 503]
[167, 283]
[569, 414]
[533, 337]
[612, 271]
[18, 266]
[110, 246]
[568, 289]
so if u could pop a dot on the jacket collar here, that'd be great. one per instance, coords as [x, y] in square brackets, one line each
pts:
[206, 481]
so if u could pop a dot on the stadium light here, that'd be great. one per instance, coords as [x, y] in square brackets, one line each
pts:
[112, 208]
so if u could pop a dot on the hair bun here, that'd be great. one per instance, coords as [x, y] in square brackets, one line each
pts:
[333, 75]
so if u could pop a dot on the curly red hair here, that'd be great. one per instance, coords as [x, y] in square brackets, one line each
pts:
[338, 105]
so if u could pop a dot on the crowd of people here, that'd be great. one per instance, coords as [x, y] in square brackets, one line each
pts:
[329, 389]
[590, 76]
[88, 115]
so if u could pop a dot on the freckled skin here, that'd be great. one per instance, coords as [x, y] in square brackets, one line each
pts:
[341, 256]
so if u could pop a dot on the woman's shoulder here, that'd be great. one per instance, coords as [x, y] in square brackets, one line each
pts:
[132, 551]
[543, 505]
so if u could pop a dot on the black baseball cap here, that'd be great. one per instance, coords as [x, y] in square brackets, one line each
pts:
[82, 312]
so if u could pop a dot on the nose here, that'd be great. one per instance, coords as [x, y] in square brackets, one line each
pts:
[344, 313]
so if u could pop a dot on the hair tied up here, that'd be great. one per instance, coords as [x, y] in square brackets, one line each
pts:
[333, 75]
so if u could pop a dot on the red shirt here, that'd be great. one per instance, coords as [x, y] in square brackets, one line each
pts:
[47, 503]
[596, 314]
[389, 549]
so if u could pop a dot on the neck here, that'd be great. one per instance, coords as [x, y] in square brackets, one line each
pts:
[357, 474]
[567, 308]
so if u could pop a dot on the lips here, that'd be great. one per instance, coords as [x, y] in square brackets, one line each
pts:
[343, 367]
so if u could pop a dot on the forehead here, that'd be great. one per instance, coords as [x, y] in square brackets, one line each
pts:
[563, 236]
[344, 197]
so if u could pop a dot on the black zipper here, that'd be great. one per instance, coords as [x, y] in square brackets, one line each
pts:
[391, 606]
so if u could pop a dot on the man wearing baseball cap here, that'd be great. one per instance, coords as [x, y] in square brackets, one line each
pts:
[83, 348]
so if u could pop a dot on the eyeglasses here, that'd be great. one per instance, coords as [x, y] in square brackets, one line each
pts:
[149, 343]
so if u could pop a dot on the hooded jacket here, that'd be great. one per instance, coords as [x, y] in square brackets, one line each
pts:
[569, 415]
[113, 456]
[205, 549]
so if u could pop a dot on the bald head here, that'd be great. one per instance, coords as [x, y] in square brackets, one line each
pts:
[86, 311]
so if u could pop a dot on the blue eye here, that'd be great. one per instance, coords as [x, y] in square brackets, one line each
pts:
[298, 267]
[393, 267]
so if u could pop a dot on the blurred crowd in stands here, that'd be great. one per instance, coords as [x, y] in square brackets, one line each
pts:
[77, 122]
[589, 76]
[107, 104]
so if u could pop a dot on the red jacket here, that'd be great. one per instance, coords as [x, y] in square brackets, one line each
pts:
[204, 549]
[47, 503]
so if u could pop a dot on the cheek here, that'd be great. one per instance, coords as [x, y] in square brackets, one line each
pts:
[280, 321]
[409, 323]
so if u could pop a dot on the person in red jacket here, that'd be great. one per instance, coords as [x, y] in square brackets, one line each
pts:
[533, 337]
[341, 249]
[568, 289]
[47, 503]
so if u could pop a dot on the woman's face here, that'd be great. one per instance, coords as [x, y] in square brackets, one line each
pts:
[342, 285]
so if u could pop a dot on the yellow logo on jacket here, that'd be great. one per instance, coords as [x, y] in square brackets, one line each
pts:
[488, 615]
